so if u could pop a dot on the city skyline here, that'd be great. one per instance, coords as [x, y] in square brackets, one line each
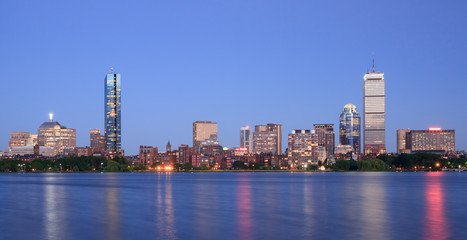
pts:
[284, 64]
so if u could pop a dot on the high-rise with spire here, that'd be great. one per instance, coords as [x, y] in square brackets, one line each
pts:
[113, 112]
[374, 112]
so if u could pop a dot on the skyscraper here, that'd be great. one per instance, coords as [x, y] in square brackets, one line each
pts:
[268, 139]
[203, 130]
[374, 113]
[349, 127]
[326, 138]
[245, 138]
[113, 112]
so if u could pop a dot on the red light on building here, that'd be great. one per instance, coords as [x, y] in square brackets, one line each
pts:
[434, 129]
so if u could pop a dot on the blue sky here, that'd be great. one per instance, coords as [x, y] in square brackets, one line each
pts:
[234, 62]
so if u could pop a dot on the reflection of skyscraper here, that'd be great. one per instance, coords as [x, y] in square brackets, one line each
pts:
[113, 112]
[349, 127]
[203, 130]
[374, 112]
[245, 137]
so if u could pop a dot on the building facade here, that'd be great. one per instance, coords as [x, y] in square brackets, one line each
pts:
[97, 141]
[349, 127]
[374, 113]
[245, 138]
[326, 138]
[21, 139]
[147, 155]
[432, 140]
[113, 126]
[268, 139]
[203, 130]
[60, 138]
[300, 151]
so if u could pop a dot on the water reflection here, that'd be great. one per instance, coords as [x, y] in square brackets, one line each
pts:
[54, 226]
[374, 208]
[165, 212]
[435, 221]
[244, 208]
[112, 202]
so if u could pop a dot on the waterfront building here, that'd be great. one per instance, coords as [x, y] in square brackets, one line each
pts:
[344, 152]
[184, 153]
[268, 139]
[147, 155]
[326, 138]
[60, 138]
[210, 147]
[374, 113]
[97, 141]
[21, 139]
[349, 127]
[245, 138]
[433, 140]
[402, 141]
[113, 128]
[300, 151]
[203, 130]
[29, 150]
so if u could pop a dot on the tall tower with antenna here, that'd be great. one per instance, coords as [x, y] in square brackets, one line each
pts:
[374, 112]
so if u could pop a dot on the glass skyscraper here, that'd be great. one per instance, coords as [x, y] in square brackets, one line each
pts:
[113, 112]
[374, 113]
[349, 127]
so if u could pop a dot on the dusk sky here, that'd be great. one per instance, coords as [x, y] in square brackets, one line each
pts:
[237, 63]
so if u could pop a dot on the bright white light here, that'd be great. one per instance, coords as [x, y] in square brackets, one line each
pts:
[51, 116]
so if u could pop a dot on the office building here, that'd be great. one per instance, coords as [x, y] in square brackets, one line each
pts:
[147, 155]
[374, 113]
[245, 138]
[434, 140]
[113, 114]
[326, 138]
[97, 141]
[268, 139]
[22, 139]
[203, 130]
[300, 151]
[60, 138]
[349, 127]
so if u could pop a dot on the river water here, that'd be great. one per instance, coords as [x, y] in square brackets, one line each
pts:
[226, 205]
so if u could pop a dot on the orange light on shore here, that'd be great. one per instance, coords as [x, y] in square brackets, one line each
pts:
[437, 164]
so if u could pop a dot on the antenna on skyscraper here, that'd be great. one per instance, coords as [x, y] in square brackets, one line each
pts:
[373, 62]
[111, 70]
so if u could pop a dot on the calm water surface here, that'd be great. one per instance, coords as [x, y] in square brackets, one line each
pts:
[234, 206]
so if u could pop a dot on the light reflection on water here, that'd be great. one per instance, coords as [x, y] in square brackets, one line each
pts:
[233, 206]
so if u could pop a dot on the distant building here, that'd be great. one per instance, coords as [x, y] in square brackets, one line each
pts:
[97, 141]
[168, 147]
[349, 127]
[344, 152]
[29, 150]
[184, 154]
[326, 138]
[203, 130]
[374, 113]
[60, 138]
[147, 155]
[210, 147]
[245, 138]
[300, 151]
[268, 139]
[432, 140]
[21, 139]
[113, 128]
[402, 141]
